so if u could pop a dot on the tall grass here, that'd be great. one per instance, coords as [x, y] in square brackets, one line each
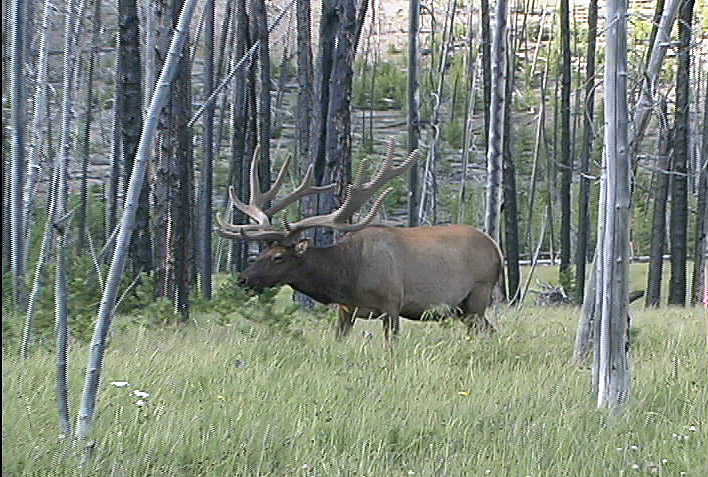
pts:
[252, 399]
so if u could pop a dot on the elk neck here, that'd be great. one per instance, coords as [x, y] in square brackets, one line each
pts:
[324, 274]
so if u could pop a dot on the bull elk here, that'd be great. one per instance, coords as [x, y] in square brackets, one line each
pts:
[373, 270]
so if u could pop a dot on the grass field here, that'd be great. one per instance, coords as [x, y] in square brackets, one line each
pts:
[249, 398]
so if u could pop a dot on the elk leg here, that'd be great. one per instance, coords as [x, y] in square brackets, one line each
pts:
[391, 325]
[347, 317]
[474, 307]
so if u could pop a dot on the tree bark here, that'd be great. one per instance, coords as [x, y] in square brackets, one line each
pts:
[339, 26]
[39, 126]
[413, 108]
[588, 139]
[105, 313]
[661, 187]
[613, 371]
[17, 120]
[701, 233]
[131, 107]
[496, 124]
[38, 283]
[486, 67]
[239, 175]
[511, 223]
[566, 162]
[60, 220]
[208, 160]
[182, 239]
[260, 18]
[338, 140]
[682, 147]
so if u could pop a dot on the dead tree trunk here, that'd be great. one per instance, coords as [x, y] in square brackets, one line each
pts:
[18, 153]
[260, 19]
[682, 142]
[661, 187]
[511, 223]
[208, 160]
[613, 365]
[492, 215]
[581, 257]
[131, 107]
[486, 67]
[413, 108]
[105, 313]
[339, 30]
[566, 159]
[701, 234]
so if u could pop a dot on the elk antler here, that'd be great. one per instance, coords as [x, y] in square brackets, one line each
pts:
[357, 195]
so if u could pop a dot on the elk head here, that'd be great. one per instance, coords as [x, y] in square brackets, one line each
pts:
[284, 254]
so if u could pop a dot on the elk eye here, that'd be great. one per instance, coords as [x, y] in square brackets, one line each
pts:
[278, 258]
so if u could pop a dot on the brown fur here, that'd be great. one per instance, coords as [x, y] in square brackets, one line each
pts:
[390, 272]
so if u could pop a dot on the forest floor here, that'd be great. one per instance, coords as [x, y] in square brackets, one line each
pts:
[275, 394]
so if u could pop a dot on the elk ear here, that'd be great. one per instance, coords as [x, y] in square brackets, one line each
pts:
[302, 246]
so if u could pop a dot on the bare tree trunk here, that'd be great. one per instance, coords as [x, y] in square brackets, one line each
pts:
[260, 18]
[131, 107]
[305, 105]
[471, 73]
[39, 126]
[61, 292]
[661, 187]
[338, 141]
[45, 252]
[306, 94]
[413, 107]
[117, 152]
[105, 313]
[17, 120]
[238, 249]
[86, 153]
[566, 160]
[613, 372]
[340, 25]
[182, 239]
[208, 162]
[511, 224]
[682, 142]
[496, 123]
[581, 257]
[486, 67]
[701, 234]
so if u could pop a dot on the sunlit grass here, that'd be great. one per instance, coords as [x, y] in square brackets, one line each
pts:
[249, 399]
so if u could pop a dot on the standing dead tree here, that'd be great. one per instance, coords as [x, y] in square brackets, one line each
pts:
[612, 363]
[682, 147]
[106, 310]
[701, 232]
[492, 216]
[566, 159]
[413, 107]
[18, 153]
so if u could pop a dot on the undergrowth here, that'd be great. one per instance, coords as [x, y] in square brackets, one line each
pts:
[262, 389]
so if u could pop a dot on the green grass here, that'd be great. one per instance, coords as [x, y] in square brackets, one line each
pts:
[248, 398]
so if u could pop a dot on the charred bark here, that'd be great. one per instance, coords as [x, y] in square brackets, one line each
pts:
[682, 141]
